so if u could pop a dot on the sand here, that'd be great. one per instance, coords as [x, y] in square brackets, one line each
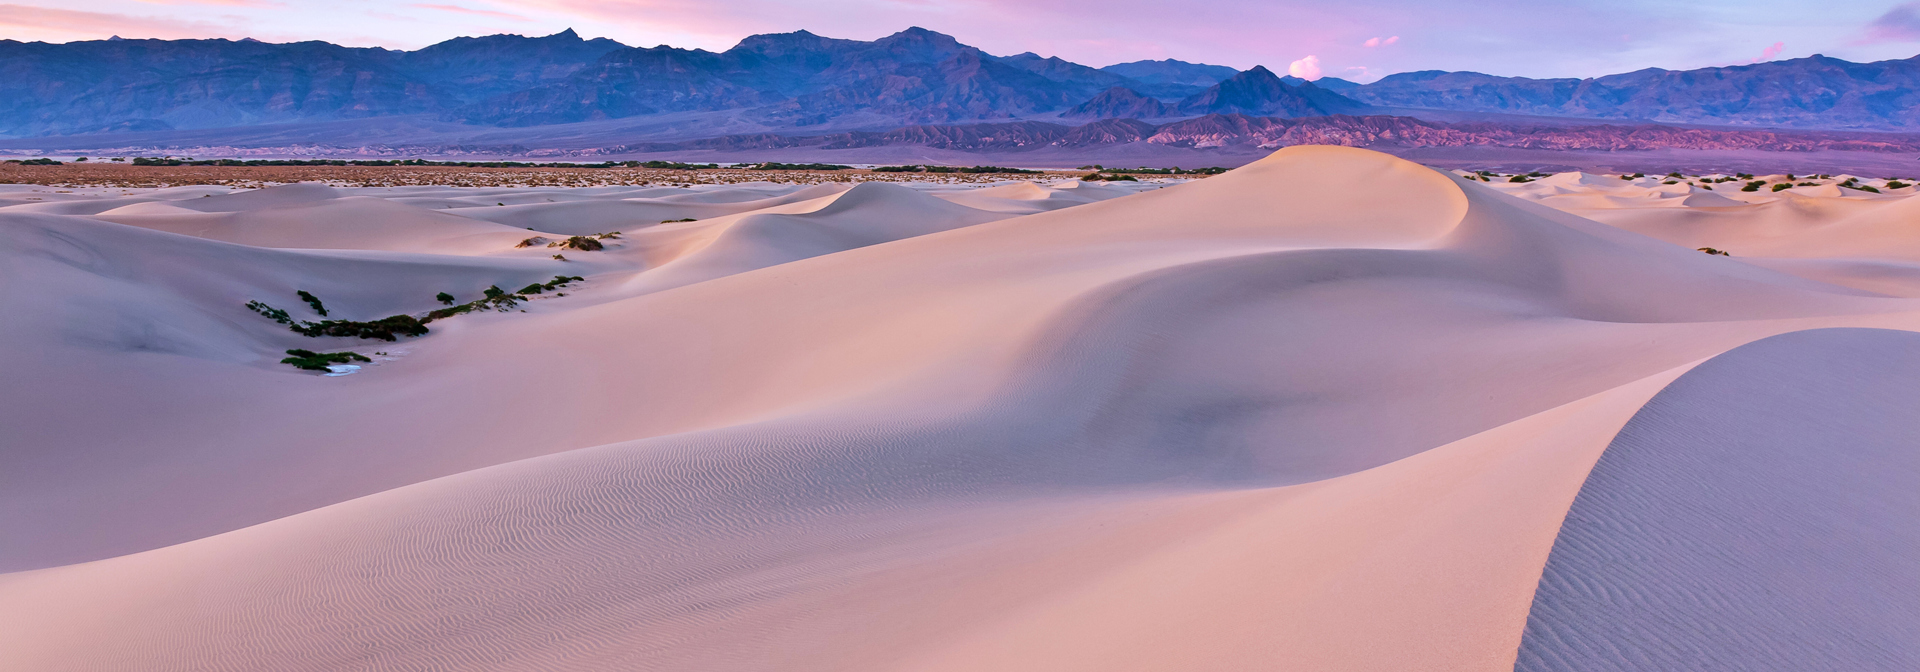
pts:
[1327, 411]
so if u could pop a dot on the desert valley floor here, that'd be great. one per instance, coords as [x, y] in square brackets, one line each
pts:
[1329, 411]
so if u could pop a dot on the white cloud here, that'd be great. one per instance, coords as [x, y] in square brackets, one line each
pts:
[1306, 68]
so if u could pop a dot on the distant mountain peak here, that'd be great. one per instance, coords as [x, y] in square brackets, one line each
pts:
[1257, 91]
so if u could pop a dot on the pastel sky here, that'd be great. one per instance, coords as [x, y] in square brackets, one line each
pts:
[1356, 39]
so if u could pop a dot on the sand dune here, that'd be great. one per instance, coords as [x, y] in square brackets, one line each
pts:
[1755, 515]
[1326, 411]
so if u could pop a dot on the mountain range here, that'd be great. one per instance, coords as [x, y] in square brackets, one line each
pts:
[802, 83]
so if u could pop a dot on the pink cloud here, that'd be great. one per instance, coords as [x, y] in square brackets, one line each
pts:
[474, 12]
[1769, 53]
[43, 23]
[1306, 68]
[220, 3]
[1379, 41]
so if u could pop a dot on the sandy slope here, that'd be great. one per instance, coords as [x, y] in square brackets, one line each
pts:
[1756, 515]
[1327, 411]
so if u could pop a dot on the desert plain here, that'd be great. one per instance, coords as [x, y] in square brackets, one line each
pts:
[1332, 410]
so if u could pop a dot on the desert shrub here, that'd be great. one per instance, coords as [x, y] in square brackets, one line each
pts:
[313, 301]
[671, 165]
[1519, 178]
[386, 328]
[676, 221]
[318, 361]
[1896, 184]
[1754, 185]
[270, 312]
[444, 313]
[1783, 186]
[530, 242]
[1713, 251]
[775, 165]
[614, 235]
[444, 298]
[534, 288]
[1628, 178]
[559, 257]
[561, 281]
[582, 243]
[1176, 170]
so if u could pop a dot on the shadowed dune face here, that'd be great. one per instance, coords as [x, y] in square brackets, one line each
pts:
[1756, 514]
[1327, 411]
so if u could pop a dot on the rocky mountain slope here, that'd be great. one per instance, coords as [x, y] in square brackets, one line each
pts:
[1813, 92]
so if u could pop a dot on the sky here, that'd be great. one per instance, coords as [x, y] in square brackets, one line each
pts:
[1361, 40]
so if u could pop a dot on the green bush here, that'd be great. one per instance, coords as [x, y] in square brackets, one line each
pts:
[1520, 178]
[1713, 251]
[775, 165]
[582, 243]
[318, 361]
[1754, 185]
[270, 312]
[386, 328]
[313, 301]
[1896, 184]
[1783, 186]
[444, 298]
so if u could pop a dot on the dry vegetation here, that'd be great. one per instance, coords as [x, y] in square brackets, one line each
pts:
[112, 175]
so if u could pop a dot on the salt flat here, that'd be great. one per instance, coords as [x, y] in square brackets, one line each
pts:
[1331, 410]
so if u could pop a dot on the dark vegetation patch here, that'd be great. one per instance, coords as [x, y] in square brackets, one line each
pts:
[530, 242]
[971, 170]
[676, 221]
[1716, 252]
[672, 165]
[393, 327]
[1099, 177]
[1176, 170]
[270, 312]
[582, 243]
[775, 165]
[318, 361]
[497, 299]
[386, 328]
[313, 301]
